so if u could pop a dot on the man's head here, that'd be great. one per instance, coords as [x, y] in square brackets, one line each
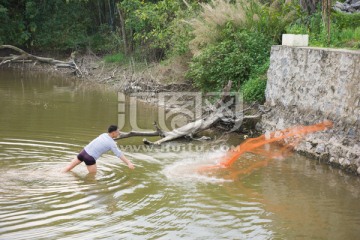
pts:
[113, 131]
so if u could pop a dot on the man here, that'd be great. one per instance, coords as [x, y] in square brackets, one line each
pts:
[96, 148]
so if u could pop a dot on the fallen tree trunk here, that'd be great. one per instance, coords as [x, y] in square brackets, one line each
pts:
[188, 130]
[217, 114]
[157, 132]
[24, 56]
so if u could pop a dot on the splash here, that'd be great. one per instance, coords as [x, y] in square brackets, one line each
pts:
[291, 136]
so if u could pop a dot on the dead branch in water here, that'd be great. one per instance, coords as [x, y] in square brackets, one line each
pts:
[24, 56]
[157, 132]
[217, 113]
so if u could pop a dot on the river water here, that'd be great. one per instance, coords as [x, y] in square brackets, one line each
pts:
[45, 121]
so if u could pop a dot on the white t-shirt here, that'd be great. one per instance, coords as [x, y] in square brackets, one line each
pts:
[102, 144]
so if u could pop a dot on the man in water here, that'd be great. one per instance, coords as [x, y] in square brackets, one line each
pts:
[96, 148]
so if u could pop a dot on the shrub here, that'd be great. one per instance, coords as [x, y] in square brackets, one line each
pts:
[251, 15]
[105, 40]
[344, 30]
[297, 29]
[235, 57]
[232, 40]
[254, 89]
[344, 20]
[272, 19]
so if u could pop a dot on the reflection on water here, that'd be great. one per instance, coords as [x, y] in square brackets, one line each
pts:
[44, 123]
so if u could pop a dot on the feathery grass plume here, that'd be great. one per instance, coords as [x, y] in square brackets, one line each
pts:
[270, 19]
[214, 16]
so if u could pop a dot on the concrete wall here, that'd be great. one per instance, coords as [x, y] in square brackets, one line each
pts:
[309, 85]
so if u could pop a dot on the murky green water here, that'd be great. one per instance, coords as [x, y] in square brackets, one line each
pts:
[45, 122]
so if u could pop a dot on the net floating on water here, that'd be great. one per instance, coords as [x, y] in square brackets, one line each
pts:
[294, 133]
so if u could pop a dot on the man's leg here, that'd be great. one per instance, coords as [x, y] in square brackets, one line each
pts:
[92, 168]
[73, 164]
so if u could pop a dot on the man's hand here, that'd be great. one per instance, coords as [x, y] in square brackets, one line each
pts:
[127, 161]
[130, 165]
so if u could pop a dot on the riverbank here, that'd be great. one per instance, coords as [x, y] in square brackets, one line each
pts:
[128, 78]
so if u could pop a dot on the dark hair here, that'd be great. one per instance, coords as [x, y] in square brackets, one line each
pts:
[112, 128]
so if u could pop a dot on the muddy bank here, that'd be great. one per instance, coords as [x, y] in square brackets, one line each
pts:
[127, 77]
[310, 85]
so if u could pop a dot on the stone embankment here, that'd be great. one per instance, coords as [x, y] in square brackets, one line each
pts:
[309, 85]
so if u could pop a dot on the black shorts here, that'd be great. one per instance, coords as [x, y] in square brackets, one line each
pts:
[86, 158]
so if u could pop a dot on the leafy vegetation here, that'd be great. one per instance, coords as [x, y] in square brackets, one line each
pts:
[254, 88]
[57, 25]
[234, 57]
[344, 30]
[232, 42]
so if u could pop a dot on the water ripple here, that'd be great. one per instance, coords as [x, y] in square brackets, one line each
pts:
[165, 197]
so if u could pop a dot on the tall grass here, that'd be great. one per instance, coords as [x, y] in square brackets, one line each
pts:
[232, 41]
[270, 19]
[213, 17]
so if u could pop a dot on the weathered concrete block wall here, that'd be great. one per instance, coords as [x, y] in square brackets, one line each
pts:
[309, 85]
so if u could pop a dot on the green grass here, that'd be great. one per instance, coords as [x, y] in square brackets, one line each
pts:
[254, 89]
[350, 38]
[115, 58]
[345, 30]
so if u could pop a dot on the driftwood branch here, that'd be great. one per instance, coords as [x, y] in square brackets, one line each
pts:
[157, 132]
[110, 77]
[137, 134]
[218, 113]
[24, 56]
[197, 126]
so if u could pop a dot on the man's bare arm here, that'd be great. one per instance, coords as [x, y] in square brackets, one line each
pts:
[127, 161]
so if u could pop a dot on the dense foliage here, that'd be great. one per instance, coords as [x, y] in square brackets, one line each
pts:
[58, 25]
[236, 46]
[234, 57]
[344, 30]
